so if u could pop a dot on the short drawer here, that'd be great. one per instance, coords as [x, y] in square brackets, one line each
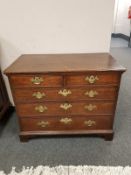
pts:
[62, 94]
[59, 123]
[36, 80]
[102, 78]
[65, 108]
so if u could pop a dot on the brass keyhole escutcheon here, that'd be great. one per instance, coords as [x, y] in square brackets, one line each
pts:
[64, 92]
[66, 106]
[90, 107]
[89, 123]
[66, 120]
[91, 93]
[43, 124]
[38, 95]
[91, 79]
[41, 108]
[37, 80]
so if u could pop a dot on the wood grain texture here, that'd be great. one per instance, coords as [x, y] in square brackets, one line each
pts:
[106, 134]
[52, 94]
[55, 124]
[46, 63]
[48, 81]
[103, 78]
[78, 108]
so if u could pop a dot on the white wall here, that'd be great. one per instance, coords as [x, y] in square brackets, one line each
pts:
[121, 21]
[53, 26]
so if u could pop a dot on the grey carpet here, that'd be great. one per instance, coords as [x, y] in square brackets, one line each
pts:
[74, 150]
[118, 42]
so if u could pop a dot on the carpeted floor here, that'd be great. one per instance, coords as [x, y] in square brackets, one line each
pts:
[74, 150]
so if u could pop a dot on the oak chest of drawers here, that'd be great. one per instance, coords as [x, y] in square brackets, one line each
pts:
[65, 93]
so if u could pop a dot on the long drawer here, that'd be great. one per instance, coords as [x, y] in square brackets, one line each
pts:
[66, 123]
[62, 94]
[63, 108]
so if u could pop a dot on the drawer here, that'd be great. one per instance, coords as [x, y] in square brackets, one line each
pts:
[93, 79]
[62, 94]
[58, 123]
[36, 80]
[66, 108]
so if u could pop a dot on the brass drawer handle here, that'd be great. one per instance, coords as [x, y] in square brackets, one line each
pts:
[91, 79]
[64, 92]
[38, 95]
[66, 120]
[41, 108]
[90, 107]
[91, 93]
[89, 123]
[65, 106]
[37, 80]
[43, 124]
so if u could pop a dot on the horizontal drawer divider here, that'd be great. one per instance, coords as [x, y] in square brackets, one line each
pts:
[93, 85]
[65, 101]
[70, 86]
[68, 101]
[67, 115]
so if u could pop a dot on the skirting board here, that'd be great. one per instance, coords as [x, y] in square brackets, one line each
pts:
[125, 37]
[120, 35]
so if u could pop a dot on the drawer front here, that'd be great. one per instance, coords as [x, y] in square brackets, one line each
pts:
[93, 79]
[36, 80]
[48, 94]
[50, 108]
[66, 123]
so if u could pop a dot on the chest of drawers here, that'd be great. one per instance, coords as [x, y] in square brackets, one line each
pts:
[65, 93]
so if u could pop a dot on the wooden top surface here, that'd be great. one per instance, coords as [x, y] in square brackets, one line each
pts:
[44, 63]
